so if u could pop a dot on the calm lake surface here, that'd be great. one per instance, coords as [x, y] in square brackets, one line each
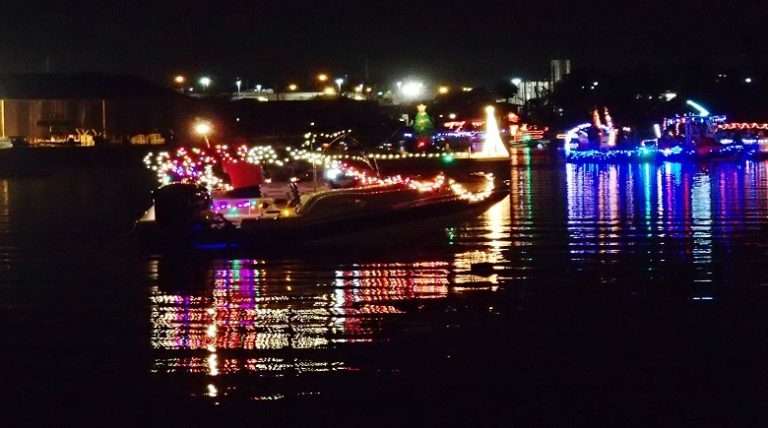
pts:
[620, 295]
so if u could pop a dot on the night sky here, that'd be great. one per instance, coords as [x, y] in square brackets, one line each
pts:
[470, 41]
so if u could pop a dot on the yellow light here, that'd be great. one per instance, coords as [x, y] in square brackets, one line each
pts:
[203, 128]
[292, 87]
[322, 77]
[329, 90]
[179, 79]
[466, 89]
[443, 90]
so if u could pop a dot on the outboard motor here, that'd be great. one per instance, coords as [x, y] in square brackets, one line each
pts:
[181, 208]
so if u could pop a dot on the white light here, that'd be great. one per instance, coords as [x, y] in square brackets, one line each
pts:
[452, 116]
[748, 80]
[657, 130]
[332, 173]
[205, 81]
[517, 81]
[493, 147]
[412, 89]
[595, 83]
[339, 81]
[212, 391]
[702, 111]
[573, 134]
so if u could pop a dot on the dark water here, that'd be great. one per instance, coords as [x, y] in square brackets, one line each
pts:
[621, 295]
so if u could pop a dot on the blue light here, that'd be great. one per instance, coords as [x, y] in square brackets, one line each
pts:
[609, 155]
[212, 246]
[676, 150]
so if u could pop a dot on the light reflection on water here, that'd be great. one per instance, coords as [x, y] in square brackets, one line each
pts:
[252, 304]
[679, 234]
[637, 226]
[681, 215]
[239, 316]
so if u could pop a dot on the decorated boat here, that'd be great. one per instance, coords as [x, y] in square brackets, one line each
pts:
[271, 201]
[679, 137]
[690, 136]
[750, 137]
[597, 140]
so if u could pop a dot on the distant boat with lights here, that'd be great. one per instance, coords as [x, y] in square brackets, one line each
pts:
[680, 137]
[270, 203]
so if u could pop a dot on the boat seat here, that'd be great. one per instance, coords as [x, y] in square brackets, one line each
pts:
[275, 190]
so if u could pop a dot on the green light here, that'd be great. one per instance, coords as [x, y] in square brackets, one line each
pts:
[527, 137]
[448, 158]
[451, 232]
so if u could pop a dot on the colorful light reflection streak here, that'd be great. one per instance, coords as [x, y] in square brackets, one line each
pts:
[253, 306]
[670, 213]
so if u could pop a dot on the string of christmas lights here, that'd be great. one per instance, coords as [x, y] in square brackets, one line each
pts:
[197, 166]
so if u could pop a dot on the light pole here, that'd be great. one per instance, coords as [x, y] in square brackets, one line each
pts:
[204, 129]
[339, 81]
[179, 79]
[518, 82]
[238, 82]
[205, 82]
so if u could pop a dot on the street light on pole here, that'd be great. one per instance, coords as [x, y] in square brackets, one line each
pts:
[205, 82]
[204, 129]
[339, 81]
[179, 79]
[238, 83]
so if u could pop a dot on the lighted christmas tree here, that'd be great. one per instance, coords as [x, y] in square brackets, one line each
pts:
[422, 123]
[493, 147]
